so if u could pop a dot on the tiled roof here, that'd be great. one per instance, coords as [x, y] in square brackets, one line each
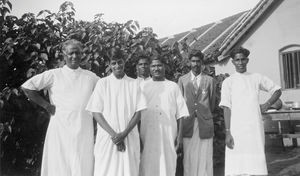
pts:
[209, 37]
[225, 34]
[245, 25]
[174, 38]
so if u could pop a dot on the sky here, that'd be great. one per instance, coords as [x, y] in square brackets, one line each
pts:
[166, 17]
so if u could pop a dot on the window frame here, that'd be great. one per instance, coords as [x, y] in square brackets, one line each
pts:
[285, 50]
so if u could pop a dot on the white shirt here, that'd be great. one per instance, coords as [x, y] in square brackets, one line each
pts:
[198, 78]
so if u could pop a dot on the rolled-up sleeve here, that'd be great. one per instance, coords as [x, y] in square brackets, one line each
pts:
[96, 101]
[40, 81]
[181, 107]
[141, 100]
[267, 85]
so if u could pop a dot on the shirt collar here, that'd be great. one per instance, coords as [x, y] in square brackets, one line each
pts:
[114, 77]
[142, 79]
[245, 73]
[69, 70]
[197, 77]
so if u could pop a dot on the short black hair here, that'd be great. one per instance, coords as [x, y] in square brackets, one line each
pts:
[143, 56]
[196, 53]
[241, 50]
[71, 42]
[116, 54]
[160, 58]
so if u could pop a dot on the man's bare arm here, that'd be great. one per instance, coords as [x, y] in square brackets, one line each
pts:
[179, 139]
[103, 123]
[134, 120]
[227, 118]
[275, 96]
[39, 100]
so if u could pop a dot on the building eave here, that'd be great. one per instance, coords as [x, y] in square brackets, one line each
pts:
[245, 25]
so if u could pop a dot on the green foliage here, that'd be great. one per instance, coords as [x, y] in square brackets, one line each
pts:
[31, 44]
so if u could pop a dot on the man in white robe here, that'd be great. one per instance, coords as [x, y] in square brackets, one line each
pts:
[143, 75]
[68, 148]
[245, 154]
[159, 134]
[116, 104]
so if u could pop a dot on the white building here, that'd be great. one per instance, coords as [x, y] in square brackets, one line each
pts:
[271, 31]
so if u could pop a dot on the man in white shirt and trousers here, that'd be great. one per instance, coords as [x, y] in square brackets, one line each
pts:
[245, 152]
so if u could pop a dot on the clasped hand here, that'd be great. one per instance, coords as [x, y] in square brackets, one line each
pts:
[118, 139]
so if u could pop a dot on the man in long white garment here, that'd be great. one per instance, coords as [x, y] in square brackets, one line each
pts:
[68, 148]
[143, 75]
[159, 134]
[199, 91]
[116, 104]
[245, 154]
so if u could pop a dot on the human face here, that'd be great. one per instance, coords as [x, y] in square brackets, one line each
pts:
[196, 64]
[240, 62]
[142, 68]
[157, 70]
[117, 67]
[72, 55]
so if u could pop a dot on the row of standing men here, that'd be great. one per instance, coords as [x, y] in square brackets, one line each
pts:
[171, 117]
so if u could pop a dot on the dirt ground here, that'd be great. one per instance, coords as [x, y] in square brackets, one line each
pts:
[280, 162]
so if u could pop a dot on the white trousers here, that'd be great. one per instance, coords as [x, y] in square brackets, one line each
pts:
[197, 155]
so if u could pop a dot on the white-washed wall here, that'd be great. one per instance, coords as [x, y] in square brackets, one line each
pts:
[280, 29]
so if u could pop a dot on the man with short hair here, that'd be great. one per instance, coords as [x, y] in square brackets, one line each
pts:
[68, 148]
[199, 91]
[143, 75]
[142, 68]
[116, 104]
[245, 152]
[159, 133]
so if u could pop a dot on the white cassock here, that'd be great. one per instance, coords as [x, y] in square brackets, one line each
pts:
[165, 105]
[68, 148]
[240, 93]
[117, 100]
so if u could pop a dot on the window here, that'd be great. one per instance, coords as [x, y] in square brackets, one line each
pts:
[290, 67]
